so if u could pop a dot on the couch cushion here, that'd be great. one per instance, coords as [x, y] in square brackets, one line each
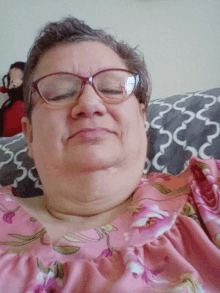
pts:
[180, 127]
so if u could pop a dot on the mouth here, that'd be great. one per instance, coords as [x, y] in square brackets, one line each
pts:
[92, 132]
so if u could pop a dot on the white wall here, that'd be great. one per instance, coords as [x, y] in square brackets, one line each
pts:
[180, 39]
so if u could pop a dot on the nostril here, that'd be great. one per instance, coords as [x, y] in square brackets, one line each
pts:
[81, 114]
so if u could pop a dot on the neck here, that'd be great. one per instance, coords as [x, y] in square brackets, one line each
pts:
[88, 197]
[74, 223]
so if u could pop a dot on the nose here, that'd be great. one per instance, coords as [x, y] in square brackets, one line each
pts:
[12, 85]
[15, 83]
[88, 104]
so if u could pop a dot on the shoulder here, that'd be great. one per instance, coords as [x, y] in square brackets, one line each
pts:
[196, 191]
[19, 105]
[197, 170]
[8, 209]
[15, 217]
[16, 110]
[7, 191]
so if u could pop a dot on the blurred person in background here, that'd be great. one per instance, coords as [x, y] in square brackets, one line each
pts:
[12, 109]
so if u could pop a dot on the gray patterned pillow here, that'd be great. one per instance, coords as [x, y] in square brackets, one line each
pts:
[177, 127]
[181, 127]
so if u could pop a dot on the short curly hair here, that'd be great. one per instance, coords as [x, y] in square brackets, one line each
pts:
[71, 30]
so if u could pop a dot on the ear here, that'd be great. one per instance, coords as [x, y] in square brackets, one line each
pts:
[27, 129]
[143, 111]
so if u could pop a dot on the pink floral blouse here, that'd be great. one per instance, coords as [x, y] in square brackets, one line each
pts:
[168, 240]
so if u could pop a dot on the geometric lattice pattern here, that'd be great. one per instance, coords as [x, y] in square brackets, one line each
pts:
[180, 127]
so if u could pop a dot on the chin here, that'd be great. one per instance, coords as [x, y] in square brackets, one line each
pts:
[95, 162]
[95, 156]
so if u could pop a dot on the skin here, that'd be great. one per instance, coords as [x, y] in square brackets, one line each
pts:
[87, 178]
[16, 77]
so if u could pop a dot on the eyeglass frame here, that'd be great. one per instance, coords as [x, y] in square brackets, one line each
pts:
[87, 80]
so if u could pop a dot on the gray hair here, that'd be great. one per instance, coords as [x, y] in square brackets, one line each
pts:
[71, 30]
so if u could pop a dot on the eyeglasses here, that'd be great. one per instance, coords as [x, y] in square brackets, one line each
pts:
[62, 88]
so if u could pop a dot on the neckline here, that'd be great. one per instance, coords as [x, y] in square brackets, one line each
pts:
[55, 229]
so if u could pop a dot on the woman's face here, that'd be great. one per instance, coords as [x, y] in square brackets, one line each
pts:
[16, 78]
[109, 135]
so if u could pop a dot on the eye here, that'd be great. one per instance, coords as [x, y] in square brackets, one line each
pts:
[111, 91]
[110, 87]
[62, 97]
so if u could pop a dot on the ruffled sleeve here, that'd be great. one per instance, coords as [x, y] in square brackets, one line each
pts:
[194, 193]
[205, 196]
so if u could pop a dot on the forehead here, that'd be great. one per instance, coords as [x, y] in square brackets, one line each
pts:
[83, 58]
[16, 73]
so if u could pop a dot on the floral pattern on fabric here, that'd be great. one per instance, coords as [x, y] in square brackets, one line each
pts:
[8, 214]
[151, 220]
[166, 241]
[48, 280]
[138, 269]
[206, 192]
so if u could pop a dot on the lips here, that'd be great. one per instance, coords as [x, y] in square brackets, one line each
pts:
[91, 131]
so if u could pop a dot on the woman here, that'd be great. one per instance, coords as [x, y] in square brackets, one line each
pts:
[101, 226]
[12, 111]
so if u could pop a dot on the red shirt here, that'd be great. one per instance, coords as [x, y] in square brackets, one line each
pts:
[12, 119]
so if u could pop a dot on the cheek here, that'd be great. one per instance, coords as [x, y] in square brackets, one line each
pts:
[47, 124]
[133, 118]
[132, 125]
[20, 81]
